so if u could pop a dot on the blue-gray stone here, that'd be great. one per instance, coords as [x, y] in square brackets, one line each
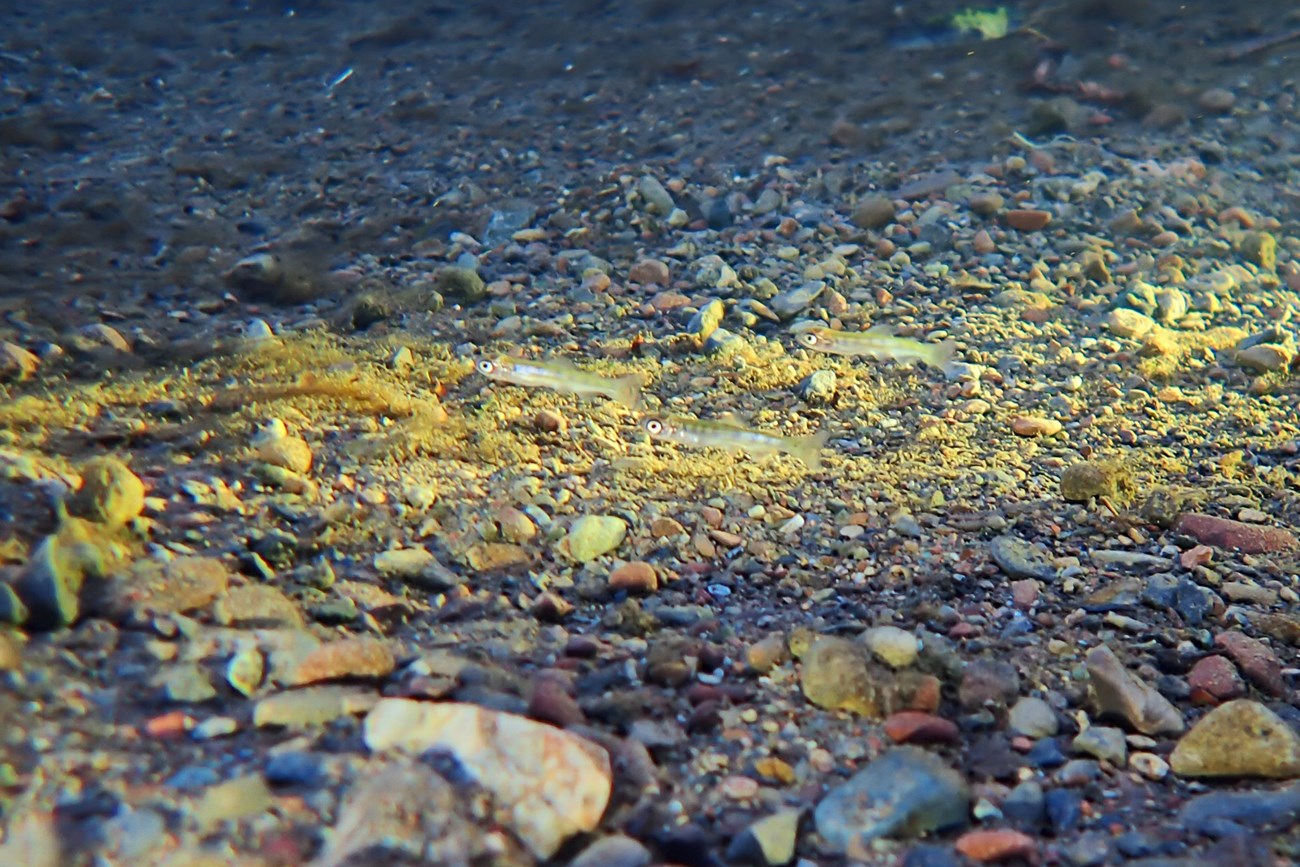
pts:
[1255, 809]
[1064, 809]
[293, 768]
[1045, 754]
[193, 778]
[1192, 601]
[1019, 559]
[904, 793]
[930, 855]
[1024, 805]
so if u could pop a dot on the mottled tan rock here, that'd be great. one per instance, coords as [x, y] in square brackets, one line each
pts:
[256, 605]
[1031, 426]
[176, 586]
[1118, 693]
[1240, 738]
[637, 576]
[550, 784]
[494, 556]
[289, 452]
[313, 706]
[110, 493]
[16, 362]
[362, 656]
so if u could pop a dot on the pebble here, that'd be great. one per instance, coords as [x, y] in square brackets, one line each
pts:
[990, 845]
[789, 304]
[253, 605]
[1123, 322]
[1118, 693]
[245, 669]
[187, 683]
[313, 706]
[895, 647]
[403, 562]
[1082, 481]
[988, 683]
[1256, 660]
[707, 320]
[1031, 426]
[17, 363]
[873, 212]
[818, 387]
[359, 656]
[1149, 765]
[769, 842]
[650, 272]
[1028, 219]
[549, 784]
[294, 768]
[637, 577]
[50, 584]
[593, 535]
[1103, 742]
[1024, 805]
[1240, 738]
[916, 727]
[614, 851]
[290, 452]
[215, 727]
[1278, 808]
[1235, 535]
[905, 792]
[168, 586]
[232, 800]
[1217, 100]
[110, 493]
[1215, 679]
[1019, 559]
[657, 199]
[462, 284]
[1033, 718]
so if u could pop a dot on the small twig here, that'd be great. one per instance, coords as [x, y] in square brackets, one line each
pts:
[1263, 43]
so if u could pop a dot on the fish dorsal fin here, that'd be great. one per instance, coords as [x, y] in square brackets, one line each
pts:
[880, 329]
[560, 363]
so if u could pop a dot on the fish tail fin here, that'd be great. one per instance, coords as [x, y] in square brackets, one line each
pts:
[809, 448]
[627, 390]
[944, 356]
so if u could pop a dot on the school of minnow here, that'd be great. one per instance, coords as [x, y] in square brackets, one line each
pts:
[562, 375]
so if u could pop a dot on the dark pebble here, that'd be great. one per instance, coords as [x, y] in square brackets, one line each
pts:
[1024, 806]
[1256, 809]
[293, 769]
[1064, 810]
[1045, 754]
[193, 778]
[930, 855]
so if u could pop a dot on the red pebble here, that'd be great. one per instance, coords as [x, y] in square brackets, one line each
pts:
[1255, 659]
[1226, 533]
[995, 844]
[1217, 679]
[914, 727]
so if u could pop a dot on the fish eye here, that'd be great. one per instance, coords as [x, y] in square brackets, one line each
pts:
[807, 338]
[485, 366]
[654, 426]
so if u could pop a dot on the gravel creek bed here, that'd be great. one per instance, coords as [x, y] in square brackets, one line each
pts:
[286, 580]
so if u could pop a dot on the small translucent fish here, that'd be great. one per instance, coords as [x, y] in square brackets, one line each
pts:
[879, 342]
[720, 435]
[561, 375]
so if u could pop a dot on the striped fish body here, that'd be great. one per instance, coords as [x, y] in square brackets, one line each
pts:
[563, 376]
[881, 343]
[695, 433]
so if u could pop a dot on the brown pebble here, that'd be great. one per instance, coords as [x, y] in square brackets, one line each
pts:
[649, 271]
[983, 243]
[873, 212]
[915, 727]
[1024, 593]
[1029, 426]
[637, 577]
[661, 527]
[1237, 214]
[352, 657]
[1164, 239]
[551, 608]
[1255, 659]
[988, 845]
[290, 452]
[711, 517]
[550, 421]
[1217, 100]
[1215, 679]
[551, 702]
[1028, 219]
[1230, 534]
[10, 657]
